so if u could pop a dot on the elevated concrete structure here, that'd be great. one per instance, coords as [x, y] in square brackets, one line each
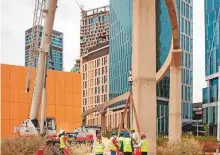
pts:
[144, 72]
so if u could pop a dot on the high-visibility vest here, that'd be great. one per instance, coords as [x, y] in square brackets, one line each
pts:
[144, 146]
[120, 141]
[127, 145]
[111, 145]
[62, 143]
[99, 147]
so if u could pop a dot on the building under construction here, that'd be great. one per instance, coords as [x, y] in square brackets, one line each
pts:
[94, 28]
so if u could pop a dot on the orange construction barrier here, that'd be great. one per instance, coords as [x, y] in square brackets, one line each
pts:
[40, 152]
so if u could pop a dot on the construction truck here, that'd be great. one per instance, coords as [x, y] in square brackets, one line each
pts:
[46, 125]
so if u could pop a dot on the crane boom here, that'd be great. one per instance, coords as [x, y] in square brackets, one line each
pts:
[44, 49]
[35, 38]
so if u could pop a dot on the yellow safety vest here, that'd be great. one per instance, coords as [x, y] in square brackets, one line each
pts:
[127, 145]
[99, 148]
[144, 146]
[111, 145]
[120, 140]
[62, 144]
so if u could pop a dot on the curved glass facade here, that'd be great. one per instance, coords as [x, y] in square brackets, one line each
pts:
[121, 46]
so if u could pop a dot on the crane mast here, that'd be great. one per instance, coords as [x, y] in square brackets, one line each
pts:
[43, 52]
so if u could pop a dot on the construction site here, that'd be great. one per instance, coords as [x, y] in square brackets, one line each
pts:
[56, 112]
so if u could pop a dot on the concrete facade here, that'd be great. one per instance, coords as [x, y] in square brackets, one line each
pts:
[94, 28]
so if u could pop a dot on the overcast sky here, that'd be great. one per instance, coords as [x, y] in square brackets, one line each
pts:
[17, 16]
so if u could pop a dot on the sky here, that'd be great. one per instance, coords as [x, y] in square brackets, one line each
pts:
[17, 16]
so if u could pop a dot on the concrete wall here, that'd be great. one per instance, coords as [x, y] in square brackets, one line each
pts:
[63, 98]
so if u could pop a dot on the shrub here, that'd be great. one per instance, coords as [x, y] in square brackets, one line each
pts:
[209, 146]
[186, 146]
[162, 140]
[21, 145]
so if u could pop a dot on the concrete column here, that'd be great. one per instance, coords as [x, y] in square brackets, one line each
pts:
[84, 121]
[103, 120]
[144, 68]
[175, 106]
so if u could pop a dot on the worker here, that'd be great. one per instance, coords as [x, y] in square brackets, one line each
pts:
[63, 140]
[134, 136]
[98, 145]
[113, 144]
[143, 144]
[127, 144]
[120, 140]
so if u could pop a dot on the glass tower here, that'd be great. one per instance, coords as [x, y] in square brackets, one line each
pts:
[55, 57]
[212, 63]
[121, 48]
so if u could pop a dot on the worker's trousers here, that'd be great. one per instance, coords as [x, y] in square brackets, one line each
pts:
[144, 153]
[127, 153]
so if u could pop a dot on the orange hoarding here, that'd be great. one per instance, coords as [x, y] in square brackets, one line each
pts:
[63, 98]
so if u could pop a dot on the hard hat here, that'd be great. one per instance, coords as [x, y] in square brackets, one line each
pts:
[143, 135]
[132, 129]
[127, 134]
[121, 133]
[99, 135]
[61, 131]
[114, 133]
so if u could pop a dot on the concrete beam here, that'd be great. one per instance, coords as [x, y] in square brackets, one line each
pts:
[144, 68]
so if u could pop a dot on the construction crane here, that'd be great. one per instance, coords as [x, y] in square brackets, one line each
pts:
[81, 8]
[47, 125]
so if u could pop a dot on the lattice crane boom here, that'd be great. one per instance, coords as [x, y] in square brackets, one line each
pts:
[35, 38]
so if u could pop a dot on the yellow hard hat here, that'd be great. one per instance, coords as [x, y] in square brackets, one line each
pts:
[132, 129]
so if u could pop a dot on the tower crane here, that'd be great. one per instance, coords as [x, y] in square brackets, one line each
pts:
[32, 126]
[81, 8]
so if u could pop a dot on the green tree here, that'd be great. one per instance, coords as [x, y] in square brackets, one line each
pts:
[206, 128]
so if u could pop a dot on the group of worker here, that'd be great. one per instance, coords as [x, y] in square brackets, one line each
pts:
[124, 144]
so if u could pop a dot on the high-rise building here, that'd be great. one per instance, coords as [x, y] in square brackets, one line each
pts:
[212, 63]
[94, 60]
[121, 48]
[55, 56]
[95, 85]
[94, 28]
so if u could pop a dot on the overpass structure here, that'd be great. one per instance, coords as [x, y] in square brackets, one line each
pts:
[145, 76]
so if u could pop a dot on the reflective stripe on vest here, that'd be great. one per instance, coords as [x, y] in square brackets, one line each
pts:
[144, 146]
[62, 144]
[127, 145]
[99, 148]
[111, 145]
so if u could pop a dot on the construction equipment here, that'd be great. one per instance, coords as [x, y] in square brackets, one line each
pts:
[130, 104]
[47, 125]
[81, 8]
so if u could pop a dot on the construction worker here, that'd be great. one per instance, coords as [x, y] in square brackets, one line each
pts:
[143, 144]
[120, 140]
[63, 140]
[113, 145]
[98, 145]
[134, 136]
[127, 144]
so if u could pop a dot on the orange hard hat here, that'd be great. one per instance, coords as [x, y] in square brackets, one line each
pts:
[143, 135]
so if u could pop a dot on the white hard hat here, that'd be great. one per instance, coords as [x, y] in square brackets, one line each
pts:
[61, 131]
